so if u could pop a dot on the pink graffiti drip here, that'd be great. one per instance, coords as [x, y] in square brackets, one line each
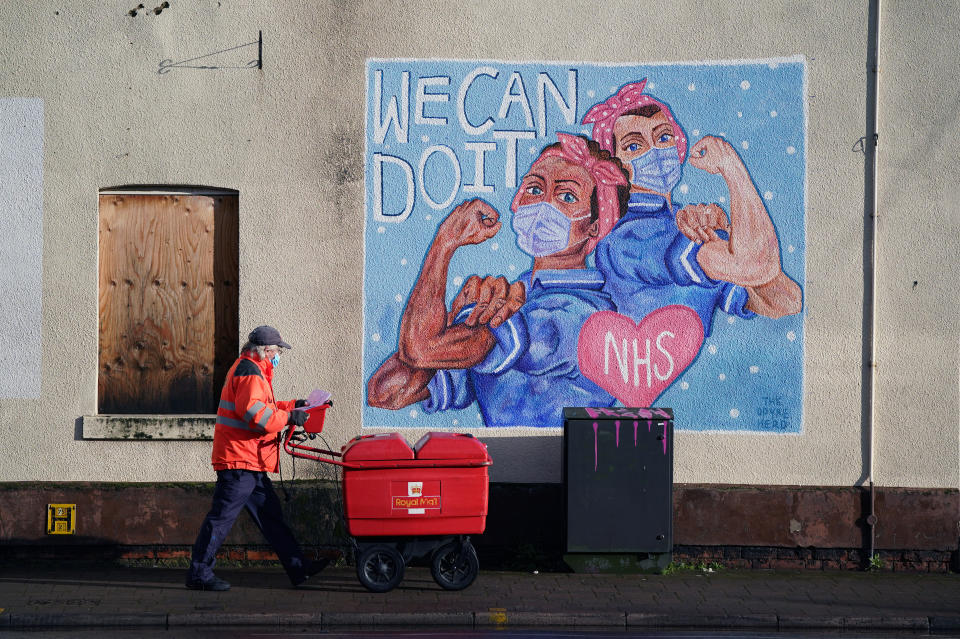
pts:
[617, 425]
[595, 458]
[635, 424]
[649, 425]
[664, 438]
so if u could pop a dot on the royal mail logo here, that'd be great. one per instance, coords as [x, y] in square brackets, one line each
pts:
[415, 501]
[431, 502]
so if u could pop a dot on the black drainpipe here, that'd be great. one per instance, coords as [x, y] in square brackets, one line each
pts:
[869, 147]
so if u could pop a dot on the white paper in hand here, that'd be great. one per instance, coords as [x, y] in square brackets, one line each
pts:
[316, 398]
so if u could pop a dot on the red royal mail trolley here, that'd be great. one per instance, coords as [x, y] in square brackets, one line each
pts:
[403, 503]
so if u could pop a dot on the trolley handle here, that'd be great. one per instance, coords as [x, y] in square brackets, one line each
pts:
[291, 447]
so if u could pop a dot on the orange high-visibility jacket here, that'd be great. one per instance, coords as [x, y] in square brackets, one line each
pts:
[248, 418]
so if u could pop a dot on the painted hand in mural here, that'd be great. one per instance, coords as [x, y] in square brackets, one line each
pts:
[472, 222]
[495, 298]
[714, 155]
[699, 222]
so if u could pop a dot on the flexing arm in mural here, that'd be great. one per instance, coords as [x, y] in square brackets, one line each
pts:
[693, 256]
[750, 257]
[521, 367]
[429, 339]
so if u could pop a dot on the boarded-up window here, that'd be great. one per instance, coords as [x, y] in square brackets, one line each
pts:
[168, 299]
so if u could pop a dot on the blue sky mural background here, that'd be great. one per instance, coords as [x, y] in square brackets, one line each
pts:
[749, 373]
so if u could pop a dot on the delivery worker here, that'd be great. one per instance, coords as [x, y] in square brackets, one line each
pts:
[245, 449]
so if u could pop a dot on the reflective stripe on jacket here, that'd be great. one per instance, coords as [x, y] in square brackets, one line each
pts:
[248, 418]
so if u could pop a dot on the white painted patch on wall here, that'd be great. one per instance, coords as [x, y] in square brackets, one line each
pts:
[21, 252]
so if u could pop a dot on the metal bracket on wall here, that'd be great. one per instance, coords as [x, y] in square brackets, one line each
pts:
[168, 64]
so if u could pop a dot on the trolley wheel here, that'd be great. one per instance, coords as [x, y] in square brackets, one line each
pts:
[455, 565]
[380, 568]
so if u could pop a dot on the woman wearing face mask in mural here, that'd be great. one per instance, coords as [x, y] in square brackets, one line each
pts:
[512, 348]
[660, 254]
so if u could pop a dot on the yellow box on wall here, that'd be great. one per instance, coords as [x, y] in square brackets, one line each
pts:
[61, 519]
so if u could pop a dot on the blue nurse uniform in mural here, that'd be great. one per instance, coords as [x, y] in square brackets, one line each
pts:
[648, 264]
[531, 373]
[647, 261]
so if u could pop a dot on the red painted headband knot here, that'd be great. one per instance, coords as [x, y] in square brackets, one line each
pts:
[630, 96]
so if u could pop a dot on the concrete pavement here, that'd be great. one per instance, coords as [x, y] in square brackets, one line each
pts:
[74, 596]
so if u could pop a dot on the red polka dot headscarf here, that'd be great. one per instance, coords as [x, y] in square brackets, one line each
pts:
[606, 176]
[629, 97]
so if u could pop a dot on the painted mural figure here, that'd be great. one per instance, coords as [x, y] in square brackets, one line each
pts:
[660, 254]
[512, 348]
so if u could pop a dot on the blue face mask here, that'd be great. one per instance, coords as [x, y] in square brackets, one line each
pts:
[275, 360]
[542, 229]
[657, 169]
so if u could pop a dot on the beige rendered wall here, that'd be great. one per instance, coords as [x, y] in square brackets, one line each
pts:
[918, 326]
[293, 133]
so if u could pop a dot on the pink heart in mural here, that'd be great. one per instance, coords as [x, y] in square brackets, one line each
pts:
[637, 362]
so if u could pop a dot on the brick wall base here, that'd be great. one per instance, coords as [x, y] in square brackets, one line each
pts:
[770, 558]
[758, 527]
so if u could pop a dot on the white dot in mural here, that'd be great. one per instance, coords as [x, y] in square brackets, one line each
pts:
[512, 267]
[479, 416]
[696, 131]
[773, 65]
[723, 198]
[791, 336]
[754, 370]
[684, 188]
[745, 145]
[791, 150]
[722, 134]
[731, 319]
[692, 87]
[457, 281]
[413, 413]
[651, 86]
[721, 377]
[533, 150]
[713, 349]
[381, 229]
[684, 385]
[585, 132]
[739, 114]
[375, 337]
[734, 413]
[456, 422]
[744, 85]
[399, 297]
[791, 248]
[591, 93]
[403, 262]
[424, 138]
[613, 89]
[386, 146]
[428, 217]
[494, 246]
[773, 114]
[768, 195]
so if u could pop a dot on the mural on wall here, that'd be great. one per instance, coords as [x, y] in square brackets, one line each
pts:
[548, 235]
[21, 253]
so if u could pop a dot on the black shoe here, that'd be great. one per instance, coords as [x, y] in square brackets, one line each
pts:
[214, 583]
[312, 568]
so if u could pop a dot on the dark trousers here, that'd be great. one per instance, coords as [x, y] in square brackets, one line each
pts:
[237, 489]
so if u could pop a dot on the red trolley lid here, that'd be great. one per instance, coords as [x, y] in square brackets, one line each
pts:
[379, 446]
[451, 446]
